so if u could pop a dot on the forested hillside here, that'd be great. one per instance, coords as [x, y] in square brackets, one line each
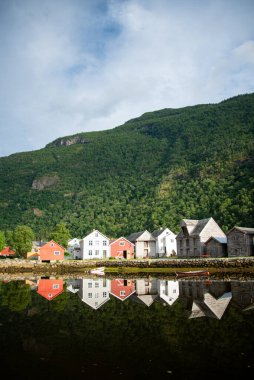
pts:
[194, 162]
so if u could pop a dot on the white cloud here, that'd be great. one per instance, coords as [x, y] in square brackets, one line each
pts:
[72, 66]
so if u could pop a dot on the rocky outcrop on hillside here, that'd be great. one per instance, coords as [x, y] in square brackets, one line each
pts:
[70, 140]
[47, 181]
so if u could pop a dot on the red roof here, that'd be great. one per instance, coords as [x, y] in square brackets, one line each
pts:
[7, 251]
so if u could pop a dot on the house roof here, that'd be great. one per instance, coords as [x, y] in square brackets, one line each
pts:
[200, 226]
[222, 240]
[246, 230]
[134, 236]
[121, 238]
[194, 227]
[157, 233]
[7, 251]
[98, 233]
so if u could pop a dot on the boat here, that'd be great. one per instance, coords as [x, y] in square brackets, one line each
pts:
[191, 273]
[99, 271]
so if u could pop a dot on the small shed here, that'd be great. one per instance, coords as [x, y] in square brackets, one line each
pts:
[216, 247]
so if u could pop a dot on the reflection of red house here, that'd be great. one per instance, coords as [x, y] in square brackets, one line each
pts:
[49, 288]
[122, 289]
[51, 251]
[122, 248]
[6, 251]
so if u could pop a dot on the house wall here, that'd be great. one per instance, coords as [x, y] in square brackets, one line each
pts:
[166, 244]
[48, 252]
[145, 249]
[168, 290]
[94, 246]
[216, 249]
[189, 247]
[120, 245]
[50, 288]
[94, 292]
[240, 243]
[121, 288]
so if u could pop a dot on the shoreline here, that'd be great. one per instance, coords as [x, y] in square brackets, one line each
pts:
[239, 265]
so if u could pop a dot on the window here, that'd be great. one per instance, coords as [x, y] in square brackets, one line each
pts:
[104, 242]
[122, 292]
[121, 243]
[96, 284]
[96, 295]
[174, 290]
[97, 252]
[90, 285]
[96, 234]
[90, 295]
[104, 294]
[52, 244]
[90, 242]
[90, 252]
[55, 286]
[49, 295]
[57, 253]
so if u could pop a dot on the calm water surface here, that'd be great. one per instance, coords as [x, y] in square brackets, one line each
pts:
[145, 328]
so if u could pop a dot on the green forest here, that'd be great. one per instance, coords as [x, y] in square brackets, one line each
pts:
[194, 162]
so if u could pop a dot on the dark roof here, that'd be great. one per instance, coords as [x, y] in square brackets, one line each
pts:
[200, 226]
[247, 230]
[156, 233]
[135, 235]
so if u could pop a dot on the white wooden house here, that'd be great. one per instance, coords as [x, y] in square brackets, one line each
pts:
[94, 292]
[169, 291]
[145, 244]
[165, 242]
[94, 246]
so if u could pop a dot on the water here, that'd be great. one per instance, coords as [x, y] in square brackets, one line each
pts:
[133, 328]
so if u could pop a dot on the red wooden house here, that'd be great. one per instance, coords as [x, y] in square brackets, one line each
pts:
[50, 288]
[122, 249]
[122, 289]
[6, 251]
[51, 251]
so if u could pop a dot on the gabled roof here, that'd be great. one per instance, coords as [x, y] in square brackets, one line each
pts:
[53, 241]
[98, 233]
[7, 251]
[200, 226]
[134, 236]
[246, 230]
[121, 238]
[222, 240]
[158, 232]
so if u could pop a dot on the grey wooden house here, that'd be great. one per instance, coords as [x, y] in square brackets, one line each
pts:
[240, 241]
[193, 235]
[216, 247]
[145, 244]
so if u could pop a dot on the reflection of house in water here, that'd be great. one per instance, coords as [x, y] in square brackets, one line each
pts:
[146, 291]
[73, 285]
[50, 288]
[243, 294]
[205, 298]
[122, 289]
[169, 291]
[94, 292]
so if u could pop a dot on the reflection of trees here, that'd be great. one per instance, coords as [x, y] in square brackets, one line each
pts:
[15, 295]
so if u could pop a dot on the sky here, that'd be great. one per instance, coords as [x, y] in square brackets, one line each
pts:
[70, 66]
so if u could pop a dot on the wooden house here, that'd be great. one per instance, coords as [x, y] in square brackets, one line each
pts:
[51, 251]
[122, 289]
[94, 292]
[168, 290]
[73, 248]
[193, 235]
[7, 252]
[240, 241]
[145, 244]
[50, 288]
[94, 246]
[216, 247]
[165, 242]
[122, 249]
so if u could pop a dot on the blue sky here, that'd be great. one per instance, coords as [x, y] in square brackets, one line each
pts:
[69, 66]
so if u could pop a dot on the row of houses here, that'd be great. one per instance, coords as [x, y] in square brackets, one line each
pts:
[196, 239]
[202, 298]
